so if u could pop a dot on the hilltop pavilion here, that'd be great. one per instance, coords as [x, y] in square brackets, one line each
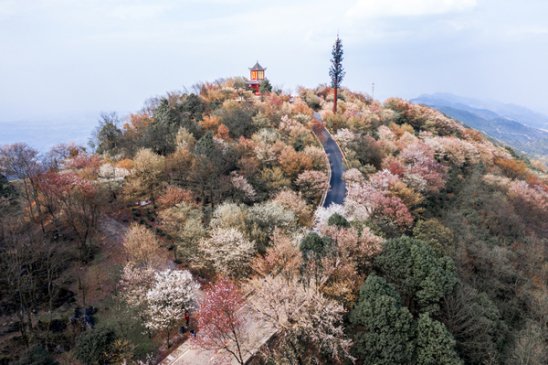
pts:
[256, 76]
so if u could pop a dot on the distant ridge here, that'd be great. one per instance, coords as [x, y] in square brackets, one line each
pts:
[520, 128]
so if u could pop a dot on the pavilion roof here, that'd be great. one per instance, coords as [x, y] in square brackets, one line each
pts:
[257, 67]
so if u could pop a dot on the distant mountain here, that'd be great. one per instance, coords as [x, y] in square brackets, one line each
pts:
[520, 128]
[42, 134]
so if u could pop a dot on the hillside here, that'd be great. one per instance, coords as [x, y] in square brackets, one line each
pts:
[201, 204]
[519, 128]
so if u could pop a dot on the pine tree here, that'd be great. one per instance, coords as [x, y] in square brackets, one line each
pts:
[435, 345]
[265, 87]
[336, 72]
[384, 328]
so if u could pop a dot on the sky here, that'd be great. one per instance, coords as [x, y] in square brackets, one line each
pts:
[62, 57]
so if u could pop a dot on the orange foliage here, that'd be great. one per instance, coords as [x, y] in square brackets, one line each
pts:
[409, 197]
[88, 165]
[473, 135]
[399, 130]
[514, 169]
[536, 181]
[301, 108]
[223, 132]
[293, 162]
[174, 195]
[125, 164]
[138, 121]
[246, 145]
[317, 127]
[282, 257]
[210, 122]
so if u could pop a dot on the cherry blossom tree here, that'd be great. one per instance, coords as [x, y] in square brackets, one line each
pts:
[294, 202]
[222, 321]
[322, 214]
[306, 321]
[173, 293]
[145, 176]
[228, 250]
[312, 184]
[282, 258]
[174, 195]
[391, 214]
[422, 171]
[142, 247]
[183, 224]
[344, 137]
[241, 184]
[230, 215]
[317, 155]
[293, 162]
[134, 284]
[455, 150]
[373, 200]
[76, 203]
[108, 172]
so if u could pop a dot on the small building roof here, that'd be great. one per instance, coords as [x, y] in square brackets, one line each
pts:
[257, 67]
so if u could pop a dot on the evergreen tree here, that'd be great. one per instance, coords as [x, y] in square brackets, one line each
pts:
[338, 220]
[108, 136]
[314, 246]
[7, 191]
[265, 87]
[384, 329]
[336, 72]
[205, 145]
[435, 345]
[422, 276]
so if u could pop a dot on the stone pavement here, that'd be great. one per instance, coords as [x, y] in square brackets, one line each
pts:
[257, 330]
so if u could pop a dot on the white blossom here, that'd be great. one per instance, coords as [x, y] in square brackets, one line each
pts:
[240, 183]
[109, 172]
[229, 250]
[173, 292]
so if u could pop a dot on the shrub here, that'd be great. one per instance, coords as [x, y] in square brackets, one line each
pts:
[94, 347]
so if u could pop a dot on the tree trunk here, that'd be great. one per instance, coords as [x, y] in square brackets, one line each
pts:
[335, 90]
[236, 339]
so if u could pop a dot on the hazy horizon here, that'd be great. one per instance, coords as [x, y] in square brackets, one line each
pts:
[74, 58]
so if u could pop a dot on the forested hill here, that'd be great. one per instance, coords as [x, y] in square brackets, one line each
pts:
[202, 202]
[519, 128]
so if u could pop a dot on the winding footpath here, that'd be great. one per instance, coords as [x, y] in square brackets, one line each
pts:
[337, 188]
[260, 331]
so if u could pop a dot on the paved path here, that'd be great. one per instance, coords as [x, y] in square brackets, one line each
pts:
[112, 229]
[258, 332]
[337, 186]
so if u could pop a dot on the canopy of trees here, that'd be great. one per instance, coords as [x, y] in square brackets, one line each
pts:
[435, 257]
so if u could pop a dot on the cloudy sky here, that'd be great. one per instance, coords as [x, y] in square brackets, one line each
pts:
[62, 57]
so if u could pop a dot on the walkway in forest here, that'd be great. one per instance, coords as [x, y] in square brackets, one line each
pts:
[337, 186]
[260, 331]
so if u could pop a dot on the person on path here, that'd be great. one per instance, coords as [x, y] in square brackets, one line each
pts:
[187, 318]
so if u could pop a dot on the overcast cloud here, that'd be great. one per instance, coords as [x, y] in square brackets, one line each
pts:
[60, 57]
